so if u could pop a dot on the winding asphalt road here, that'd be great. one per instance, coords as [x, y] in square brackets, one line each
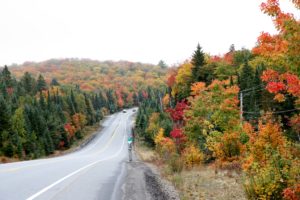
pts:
[94, 172]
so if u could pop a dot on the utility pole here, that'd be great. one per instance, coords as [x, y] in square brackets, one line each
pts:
[241, 107]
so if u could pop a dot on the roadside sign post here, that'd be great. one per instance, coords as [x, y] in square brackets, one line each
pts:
[130, 140]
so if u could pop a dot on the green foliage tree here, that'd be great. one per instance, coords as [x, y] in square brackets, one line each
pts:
[19, 131]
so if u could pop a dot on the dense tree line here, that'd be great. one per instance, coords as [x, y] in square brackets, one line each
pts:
[236, 111]
[37, 118]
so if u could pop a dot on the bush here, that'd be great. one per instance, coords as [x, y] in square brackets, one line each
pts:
[270, 165]
[164, 146]
[192, 156]
[269, 181]
[292, 193]
[227, 149]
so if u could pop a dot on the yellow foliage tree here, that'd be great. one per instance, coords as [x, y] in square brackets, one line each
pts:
[192, 156]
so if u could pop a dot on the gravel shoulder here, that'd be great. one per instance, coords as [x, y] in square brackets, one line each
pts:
[143, 181]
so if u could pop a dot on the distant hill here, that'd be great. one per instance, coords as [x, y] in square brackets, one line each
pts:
[92, 75]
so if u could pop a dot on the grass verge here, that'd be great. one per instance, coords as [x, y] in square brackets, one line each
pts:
[203, 182]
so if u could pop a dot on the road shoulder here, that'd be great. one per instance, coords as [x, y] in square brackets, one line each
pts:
[143, 181]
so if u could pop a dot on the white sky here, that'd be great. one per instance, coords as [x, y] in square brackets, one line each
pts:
[134, 30]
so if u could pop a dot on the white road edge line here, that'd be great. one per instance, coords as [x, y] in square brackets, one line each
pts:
[54, 160]
[75, 172]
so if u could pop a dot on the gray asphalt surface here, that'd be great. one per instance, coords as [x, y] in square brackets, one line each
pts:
[95, 172]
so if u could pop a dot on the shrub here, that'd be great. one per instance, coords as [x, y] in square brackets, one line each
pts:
[192, 156]
[292, 193]
[267, 181]
[270, 166]
[164, 146]
[227, 148]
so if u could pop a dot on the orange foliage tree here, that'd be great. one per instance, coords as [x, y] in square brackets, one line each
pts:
[282, 48]
[269, 165]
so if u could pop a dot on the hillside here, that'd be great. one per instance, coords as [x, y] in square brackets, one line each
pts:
[91, 74]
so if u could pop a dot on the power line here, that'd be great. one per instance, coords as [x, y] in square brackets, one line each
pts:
[276, 112]
[249, 92]
[251, 89]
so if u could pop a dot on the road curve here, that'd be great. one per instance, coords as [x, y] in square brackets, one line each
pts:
[94, 172]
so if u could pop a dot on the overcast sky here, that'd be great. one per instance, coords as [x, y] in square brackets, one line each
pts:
[134, 30]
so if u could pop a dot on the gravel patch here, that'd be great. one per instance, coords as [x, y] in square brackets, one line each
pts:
[143, 182]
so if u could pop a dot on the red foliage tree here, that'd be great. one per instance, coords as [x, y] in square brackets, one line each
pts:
[179, 138]
[177, 113]
[280, 83]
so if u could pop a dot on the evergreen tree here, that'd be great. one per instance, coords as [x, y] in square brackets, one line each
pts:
[89, 110]
[6, 77]
[71, 105]
[74, 102]
[4, 121]
[246, 77]
[54, 82]
[162, 64]
[42, 102]
[41, 83]
[28, 83]
[246, 80]
[198, 62]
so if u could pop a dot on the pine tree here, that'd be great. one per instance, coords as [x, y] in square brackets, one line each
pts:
[42, 101]
[28, 83]
[41, 83]
[4, 120]
[198, 62]
[74, 102]
[6, 77]
[70, 105]
[89, 110]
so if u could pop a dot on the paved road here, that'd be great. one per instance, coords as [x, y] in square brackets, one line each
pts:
[94, 172]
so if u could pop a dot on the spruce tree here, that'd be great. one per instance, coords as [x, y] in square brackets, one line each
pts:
[28, 83]
[246, 77]
[4, 121]
[89, 110]
[246, 85]
[197, 61]
[41, 83]
[74, 102]
[6, 77]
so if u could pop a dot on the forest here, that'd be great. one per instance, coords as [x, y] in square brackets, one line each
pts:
[239, 111]
[92, 75]
[44, 107]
